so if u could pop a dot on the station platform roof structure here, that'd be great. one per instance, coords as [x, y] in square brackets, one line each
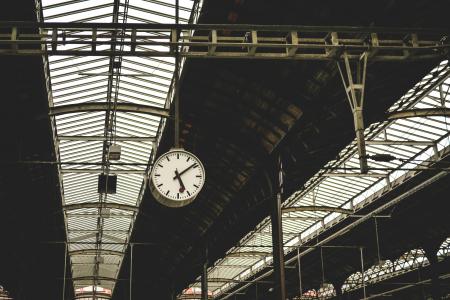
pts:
[322, 128]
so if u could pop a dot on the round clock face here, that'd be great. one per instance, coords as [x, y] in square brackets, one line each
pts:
[177, 177]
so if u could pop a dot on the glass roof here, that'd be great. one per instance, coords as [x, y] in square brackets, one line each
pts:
[98, 237]
[414, 142]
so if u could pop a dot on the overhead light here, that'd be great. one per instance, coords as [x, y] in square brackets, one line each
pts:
[114, 152]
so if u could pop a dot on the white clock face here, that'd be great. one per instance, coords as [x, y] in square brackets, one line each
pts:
[177, 178]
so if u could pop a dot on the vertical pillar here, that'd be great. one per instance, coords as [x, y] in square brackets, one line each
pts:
[338, 289]
[205, 276]
[131, 270]
[299, 263]
[435, 281]
[277, 240]
[65, 272]
[431, 250]
[362, 272]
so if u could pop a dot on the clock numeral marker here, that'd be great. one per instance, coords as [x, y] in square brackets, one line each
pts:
[196, 185]
[156, 175]
[188, 159]
[178, 195]
[159, 185]
[167, 193]
[178, 155]
[199, 176]
[188, 193]
[160, 165]
[167, 158]
[195, 166]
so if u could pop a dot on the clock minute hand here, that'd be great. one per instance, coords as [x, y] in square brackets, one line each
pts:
[184, 171]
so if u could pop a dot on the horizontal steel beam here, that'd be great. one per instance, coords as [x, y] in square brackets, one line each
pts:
[100, 171]
[210, 41]
[93, 252]
[317, 208]
[102, 138]
[101, 205]
[96, 230]
[248, 254]
[102, 278]
[90, 215]
[405, 143]
[103, 106]
[423, 112]
[233, 27]
[90, 295]
[288, 218]
[353, 175]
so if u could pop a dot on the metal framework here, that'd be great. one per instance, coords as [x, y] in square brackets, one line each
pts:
[220, 41]
[109, 72]
[415, 143]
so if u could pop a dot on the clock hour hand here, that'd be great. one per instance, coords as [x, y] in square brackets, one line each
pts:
[177, 176]
[184, 171]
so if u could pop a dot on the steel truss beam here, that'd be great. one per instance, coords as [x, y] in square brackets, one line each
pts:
[102, 138]
[353, 175]
[89, 252]
[103, 106]
[100, 171]
[222, 41]
[98, 295]
[101, 205]
[424, 112]
[318, 208]
[405, 143]
[101, 278]
[250, 254]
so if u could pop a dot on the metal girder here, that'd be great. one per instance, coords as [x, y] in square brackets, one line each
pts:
[104, 106]
[423, 112]
[101, 278]
[102, 138]
[101, 205]
[100, 171]
[353, 175]
[210, 41]
[248, 254]
[405, 143]
[90, 295]
[317, 208]
[89, 252]
[90, 215]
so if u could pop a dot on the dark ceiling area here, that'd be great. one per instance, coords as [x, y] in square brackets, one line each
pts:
[238, 117]
[31, 219]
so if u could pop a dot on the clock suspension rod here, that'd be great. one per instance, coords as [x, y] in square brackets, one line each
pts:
[176, 80]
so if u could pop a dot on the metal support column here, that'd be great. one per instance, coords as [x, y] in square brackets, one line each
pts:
[362, 273]
[205, 277]
[435, 281]
[353, 75]
[277, 240]
[131, 270]
[300, 284]
[65, 272]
